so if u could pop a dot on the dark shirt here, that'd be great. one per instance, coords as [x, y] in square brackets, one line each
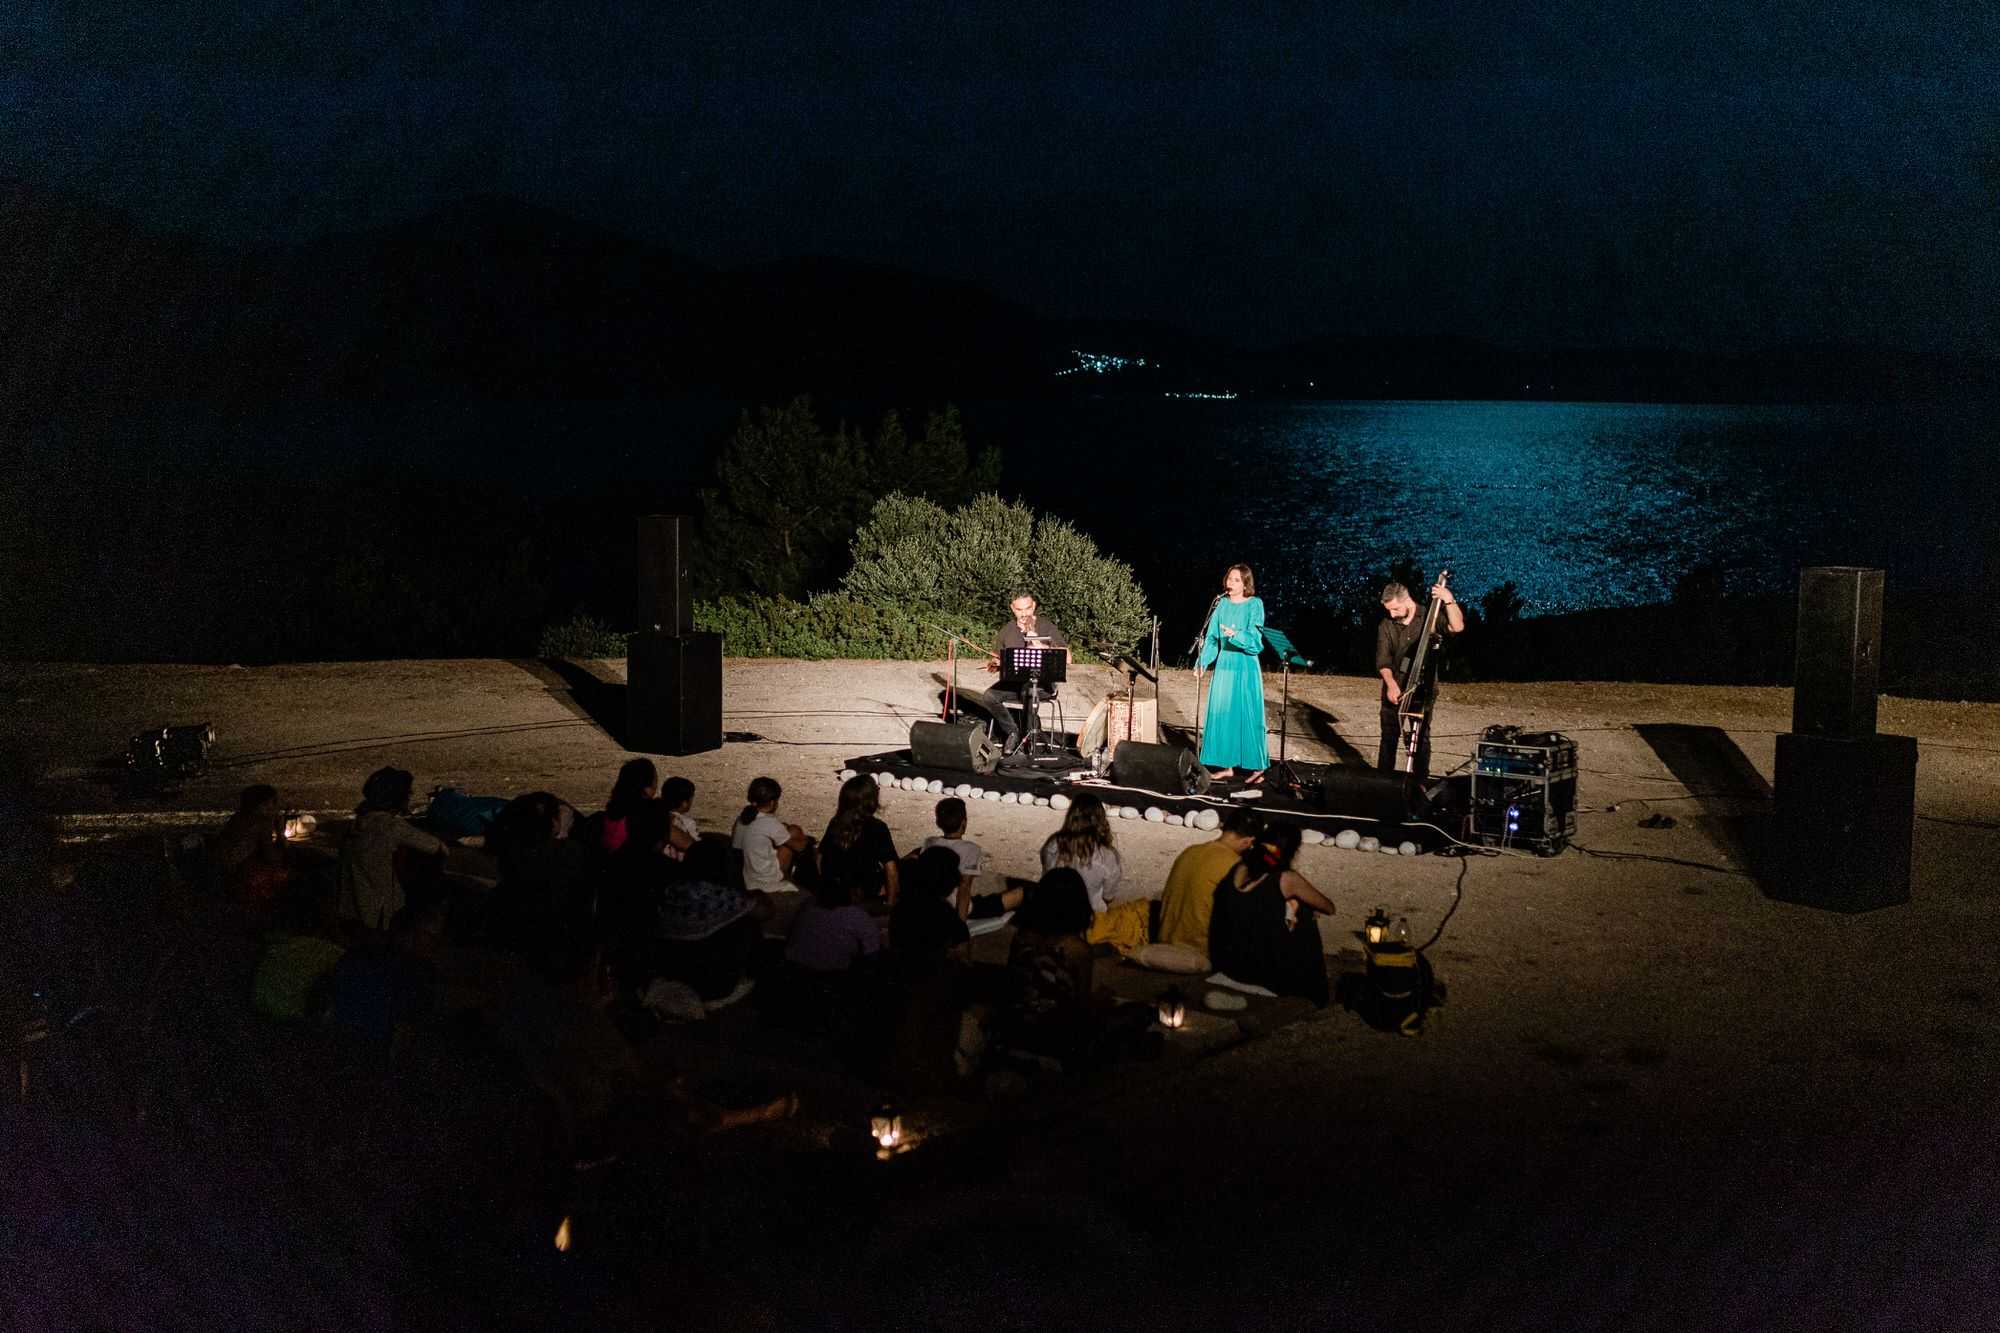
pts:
[1395, 643]
[1010, 636]
[923, 923]
[859, 866]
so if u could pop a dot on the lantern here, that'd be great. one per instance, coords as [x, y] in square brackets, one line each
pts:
[1173, 1008]
[1376, 928]
[886, 1126]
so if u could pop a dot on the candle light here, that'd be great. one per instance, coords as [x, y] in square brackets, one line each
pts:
[1376, 928]
[1173, 1008]
[887, 1126]
[562, 1237]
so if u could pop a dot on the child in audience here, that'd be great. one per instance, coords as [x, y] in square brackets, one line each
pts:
[951, 821]
[250, 850]
[678, 798]
[832, 932]
[1083, 844]
[857, 847]
[1055, 1010]
[770, 846]
[638, 781]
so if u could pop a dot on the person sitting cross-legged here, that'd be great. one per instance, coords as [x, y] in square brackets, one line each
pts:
[1189, 899]
[1263, 932]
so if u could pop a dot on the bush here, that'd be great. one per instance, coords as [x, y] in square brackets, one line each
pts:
[915, 559]
[831, 625]
[580, 636]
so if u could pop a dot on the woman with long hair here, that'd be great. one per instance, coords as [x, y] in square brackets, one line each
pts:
[1084, 844]
[1262, 932]
[857, 849]
[1232, 736]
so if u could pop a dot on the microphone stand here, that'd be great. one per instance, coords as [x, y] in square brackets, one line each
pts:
[1200, 635]
[951, 652]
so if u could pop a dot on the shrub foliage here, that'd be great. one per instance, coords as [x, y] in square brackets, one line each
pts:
[915, 557]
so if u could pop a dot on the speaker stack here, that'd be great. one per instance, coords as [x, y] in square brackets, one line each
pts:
[1846, 796]
[673, 676]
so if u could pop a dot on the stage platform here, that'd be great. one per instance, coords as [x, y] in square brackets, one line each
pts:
[1356, 803]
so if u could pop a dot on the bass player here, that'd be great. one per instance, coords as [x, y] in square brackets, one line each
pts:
[1397, 639]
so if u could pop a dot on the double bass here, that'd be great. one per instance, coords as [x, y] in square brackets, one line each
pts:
[1419, 684]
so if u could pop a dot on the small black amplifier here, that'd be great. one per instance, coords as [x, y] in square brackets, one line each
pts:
[1523, 790]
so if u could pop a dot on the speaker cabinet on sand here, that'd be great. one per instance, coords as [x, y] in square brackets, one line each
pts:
[1839, 666]
[1382, 795]
[673, 693]
[961, 747]
[666, 585]
[1166, 769]
[1846, 816]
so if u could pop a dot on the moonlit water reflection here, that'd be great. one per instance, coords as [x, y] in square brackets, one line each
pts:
[1579, 504]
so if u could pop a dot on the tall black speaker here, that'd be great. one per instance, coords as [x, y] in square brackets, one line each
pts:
[1839, 667]
[961, 747]
[1166, 769]
[665, 588]
[1846, 813]
[673, 692]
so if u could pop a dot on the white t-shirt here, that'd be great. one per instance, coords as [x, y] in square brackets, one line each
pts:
[970, 858]
[369, 890]
[1102, 874]
[759, 841]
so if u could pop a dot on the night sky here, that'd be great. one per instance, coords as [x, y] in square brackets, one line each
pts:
[1708, 176]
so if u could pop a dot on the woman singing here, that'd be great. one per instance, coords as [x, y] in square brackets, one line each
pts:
[1233, 735]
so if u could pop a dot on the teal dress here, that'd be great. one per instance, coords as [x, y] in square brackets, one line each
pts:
[1233, 736]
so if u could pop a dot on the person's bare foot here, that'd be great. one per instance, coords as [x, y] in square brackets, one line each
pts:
[1254, 778]
[1221, 773]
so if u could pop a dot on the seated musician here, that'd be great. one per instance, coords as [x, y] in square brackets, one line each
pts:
[1395, 644]
[1025, 630]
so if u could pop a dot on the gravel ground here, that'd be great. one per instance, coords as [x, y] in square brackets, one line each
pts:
[1656, 1099]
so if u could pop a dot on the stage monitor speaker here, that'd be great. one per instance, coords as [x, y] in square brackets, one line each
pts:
[673, 692]
[1166, 769]
[961, 747]
[666, 589]
[1839, 665]
[1380, 794]
[1846, 817]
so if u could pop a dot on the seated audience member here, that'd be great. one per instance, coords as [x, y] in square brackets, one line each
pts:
[1049, 962]
[831, 931]
[1054, 1010]
[544, 887]
[1083, 844]
[925, 928]
[388, 981]
[638, 782]
[857, 847]
[951, 820]
[250, 850]
[773, 852]
[1262, 931]
[372, 878]
[1189, 899]
[677, 795]
[707, 927]
[608, 1101]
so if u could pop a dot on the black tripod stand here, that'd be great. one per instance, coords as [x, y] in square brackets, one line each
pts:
[1288, 657]
[1029, 669]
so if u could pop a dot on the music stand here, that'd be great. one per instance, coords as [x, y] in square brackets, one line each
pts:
[1288, 657]
[1036, 667]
